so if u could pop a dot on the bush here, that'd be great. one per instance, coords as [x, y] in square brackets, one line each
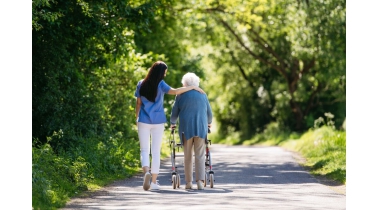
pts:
[274, 134]
[57, 177]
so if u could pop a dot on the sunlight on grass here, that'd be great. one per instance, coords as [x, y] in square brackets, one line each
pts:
[325, 152]
[323, 148]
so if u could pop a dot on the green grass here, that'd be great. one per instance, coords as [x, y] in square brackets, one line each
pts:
[96, 163]
[57, 178]
[323, 148]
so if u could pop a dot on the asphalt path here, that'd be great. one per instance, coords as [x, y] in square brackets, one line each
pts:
[246, 177]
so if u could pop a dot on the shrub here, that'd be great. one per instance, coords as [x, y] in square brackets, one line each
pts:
[57, 177]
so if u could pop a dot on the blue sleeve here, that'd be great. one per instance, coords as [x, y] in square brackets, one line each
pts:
[175, 111]
[164, 87]
[209, 112]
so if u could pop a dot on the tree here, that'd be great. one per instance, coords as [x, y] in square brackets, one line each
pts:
[75, 43]
[289, 54]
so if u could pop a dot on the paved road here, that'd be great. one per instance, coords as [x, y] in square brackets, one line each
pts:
[245, 178]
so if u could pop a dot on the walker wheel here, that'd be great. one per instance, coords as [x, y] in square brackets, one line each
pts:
[211, 180]
[174, 181]
[178, 180]
[205, 182]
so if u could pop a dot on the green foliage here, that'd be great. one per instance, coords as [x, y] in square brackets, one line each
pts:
[45, 178]
[85, 70]
[72, 54]
[280, 61]
[232, 139]
[325, 151]
[269, 68]
[171, 41]
[273, 134]
[41, 12]
[321, 122]
[57, 177]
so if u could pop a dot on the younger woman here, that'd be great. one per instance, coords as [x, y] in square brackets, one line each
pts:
[151, 118]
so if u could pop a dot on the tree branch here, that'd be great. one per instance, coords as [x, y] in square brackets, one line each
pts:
[240, 68]
[267, 48]
[281, 71]
[294, 76]
[305, 70]
[310, 101]
[214, 9]
[308, 67]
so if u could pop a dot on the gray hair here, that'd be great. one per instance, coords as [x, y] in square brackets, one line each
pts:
[190, 79]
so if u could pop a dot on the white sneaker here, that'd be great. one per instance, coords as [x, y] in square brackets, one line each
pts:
[146, 184]
[154, 186]
[200, 185]
[189, 185]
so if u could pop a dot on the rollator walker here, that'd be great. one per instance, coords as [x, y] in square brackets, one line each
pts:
[176, 177]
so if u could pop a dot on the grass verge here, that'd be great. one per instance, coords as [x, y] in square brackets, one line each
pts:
[323, 148]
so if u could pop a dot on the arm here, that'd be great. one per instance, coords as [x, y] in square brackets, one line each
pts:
[138, 100]
[175, 112]
[181, 90]
[138, 106]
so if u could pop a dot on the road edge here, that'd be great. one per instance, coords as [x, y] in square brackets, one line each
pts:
[332, 184]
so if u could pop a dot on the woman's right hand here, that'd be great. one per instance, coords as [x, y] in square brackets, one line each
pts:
[198, 89]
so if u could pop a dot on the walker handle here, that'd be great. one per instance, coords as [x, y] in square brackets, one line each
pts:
[208, 141]
[173, 128]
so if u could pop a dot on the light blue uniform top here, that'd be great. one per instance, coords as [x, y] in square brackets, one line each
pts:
[194, 112]
[153, 112]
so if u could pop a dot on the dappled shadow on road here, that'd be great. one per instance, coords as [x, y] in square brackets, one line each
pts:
[286, 173]
[264, 178]
[261, 166]
[193, 191]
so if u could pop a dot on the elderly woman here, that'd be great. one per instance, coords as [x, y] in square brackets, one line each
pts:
[195, 116]
[151, 118]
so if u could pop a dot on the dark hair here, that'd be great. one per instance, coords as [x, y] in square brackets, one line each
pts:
[149, 86]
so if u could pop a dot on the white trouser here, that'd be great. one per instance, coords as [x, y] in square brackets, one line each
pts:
[145, 131]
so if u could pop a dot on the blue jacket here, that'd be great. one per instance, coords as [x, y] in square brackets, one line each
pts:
[194, 112]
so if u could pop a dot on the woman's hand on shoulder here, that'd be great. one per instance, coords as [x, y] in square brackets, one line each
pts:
[198, 89]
